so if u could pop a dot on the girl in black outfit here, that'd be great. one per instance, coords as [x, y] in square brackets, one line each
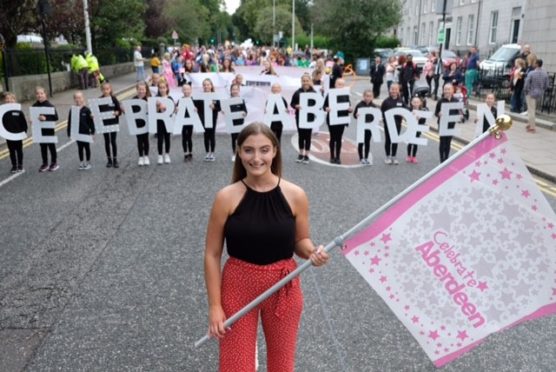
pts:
[86, 126]
[491, 103]
[277, 126]
[417, 105]
[304, 135]
[143, 92]
[408, 75]
[162, 135]
[209, 135]
[42, 101]
[110, 145]
[14, 122]
[364, 148]
[234, 92]
[445, 141]
[187, 130]
[394, 100]
[336, 131]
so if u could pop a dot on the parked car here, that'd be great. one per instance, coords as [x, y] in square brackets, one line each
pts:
[449, 57]
[383, 53]
[418, 58]
[502, 61]
[426, 50]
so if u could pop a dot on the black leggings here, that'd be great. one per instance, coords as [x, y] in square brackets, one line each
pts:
[44, 152]
[110, 141]
[391, 148]
[186, 141]
[412, 148]
[277, 127]
[335, 144]
[444, 147]
[84, 150]
[16, 152]
[304, 138]
[163, 137]
[210, 139]
[143, 144]
[366, 145]
[407, 91]
[234, 141]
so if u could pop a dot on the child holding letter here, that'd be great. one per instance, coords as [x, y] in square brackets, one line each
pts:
[162, 135]
[143, 92]
[336, 132]
[394, 100]
[110, 145]
[234, 92]
[277, 126]
[416, 105]
[42, 101]
[187, 130]
[14, 121]
[85, 126]
[364, 148]
[303, 134]
[446, 141]
[209, 135]
[491, 103]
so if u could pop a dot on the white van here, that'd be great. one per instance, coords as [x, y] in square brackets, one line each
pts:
[502, 60]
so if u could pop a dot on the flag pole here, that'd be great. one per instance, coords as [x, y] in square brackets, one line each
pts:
[503, 123]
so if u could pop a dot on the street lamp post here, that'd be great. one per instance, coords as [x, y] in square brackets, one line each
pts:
[439, 64]
[293, 26]
[44, 10]
[4, 63]
[273, 23]
[87, 27]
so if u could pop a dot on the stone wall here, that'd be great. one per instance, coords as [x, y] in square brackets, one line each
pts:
[540, 29]
[24, 86]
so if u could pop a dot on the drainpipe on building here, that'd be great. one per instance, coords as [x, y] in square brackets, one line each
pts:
[479, 10]
[419, 23]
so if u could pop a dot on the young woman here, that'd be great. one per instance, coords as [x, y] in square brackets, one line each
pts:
[234, 92]
[162, 135]
[390, 72]
[517, 83]
[259, 209]
[209, 135]
[42, 101]
[14, 121]
[277, 126]
[491, 103]
[227, 66]
[416, 105]
[143, 93]
[168, 73]
[446, 141]
[110, 145]
[392, 101]
[268, 69]
[336, 132]
[187, 130]
[365, 148]
[85, 126]
[304, 135]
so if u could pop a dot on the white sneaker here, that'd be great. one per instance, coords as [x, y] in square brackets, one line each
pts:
[160, 159]
[370, 161]
[207, 157]
[395, 161]
[167, 159]
[141, 161]
[388, 161]
[233, 158]
[87, 166]
[212, 157]
[146, 160]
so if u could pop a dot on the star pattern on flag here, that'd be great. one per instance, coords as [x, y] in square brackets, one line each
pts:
[474, 176]
[506, 174]
[434, 335]
[415, 318]
[375, 260]
[482, 286]
[525, 194]
[386, 238]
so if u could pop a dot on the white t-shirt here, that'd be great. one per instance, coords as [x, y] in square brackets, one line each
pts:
[138, 59]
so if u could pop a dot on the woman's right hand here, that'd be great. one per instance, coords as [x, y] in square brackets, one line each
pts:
[216, 322]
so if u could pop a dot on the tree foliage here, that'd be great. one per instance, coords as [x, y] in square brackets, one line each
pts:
[354, 25]
[16, 17]
[263, 25]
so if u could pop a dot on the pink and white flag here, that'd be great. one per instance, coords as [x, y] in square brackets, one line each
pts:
[469, 252]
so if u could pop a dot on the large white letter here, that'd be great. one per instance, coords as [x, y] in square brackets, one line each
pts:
[10, 136]
[311, 103]
[390, 125]
[446, 118]
[208, 99]
[413, 127]
[275, 102]
[37, 125]
[136, 119]
[232, 116]
[187, 115]
[165, 116]
[74, 130]
[368, 119]
[100, 117]
[484, 113]
[336, 106]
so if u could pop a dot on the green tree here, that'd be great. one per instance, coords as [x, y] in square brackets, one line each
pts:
[190, 19]
[115, 19]
[17, 17]
[353, 25]
[263, 25]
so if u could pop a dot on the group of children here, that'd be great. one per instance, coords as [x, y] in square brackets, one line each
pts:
[14, 121]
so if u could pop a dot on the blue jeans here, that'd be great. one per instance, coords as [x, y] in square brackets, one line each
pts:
[516, 101]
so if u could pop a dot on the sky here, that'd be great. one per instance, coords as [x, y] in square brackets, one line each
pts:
[232, 5]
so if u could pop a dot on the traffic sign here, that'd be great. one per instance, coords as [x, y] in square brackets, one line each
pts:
[174, 35]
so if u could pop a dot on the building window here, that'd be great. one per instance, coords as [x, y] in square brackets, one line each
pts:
[431, 34]
[493, 27]
[433, 6]
[426, 7]
[415, 35]
[461, 2]
[470, 29]
[459, 31]
[423, 33]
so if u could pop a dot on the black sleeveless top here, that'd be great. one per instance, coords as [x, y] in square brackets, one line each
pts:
[262, 228]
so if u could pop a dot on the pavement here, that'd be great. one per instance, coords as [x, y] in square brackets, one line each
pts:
[102, 270]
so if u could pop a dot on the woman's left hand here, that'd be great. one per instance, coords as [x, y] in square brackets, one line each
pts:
[319, 256]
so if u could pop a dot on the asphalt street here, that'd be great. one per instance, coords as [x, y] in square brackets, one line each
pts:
[102, 270]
